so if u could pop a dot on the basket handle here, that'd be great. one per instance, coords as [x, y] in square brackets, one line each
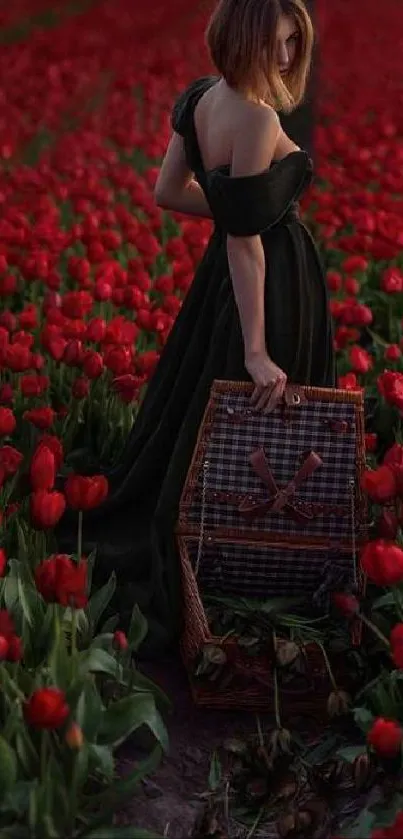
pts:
[294, 396]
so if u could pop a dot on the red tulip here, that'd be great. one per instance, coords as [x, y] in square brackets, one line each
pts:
[46, 708]
[74, 736]
[42, 418]
[34, 385]
[42, 471]
[15, 649]
[56, 447]
[385, 736]
[393, 352]
[346, 603]
[61, 580]
[96, 329]
[392, 281]
[120, 640]
[10, 643]
[382, 562]
[371, 441]
[73, 354]
[77, 304]
[127, 386]
[352, 286]
[360, 360]
[6, 393]
[7, 422]
[10, 460]
[334, 281]
[85, 493]
[379, 484]
[80, 388]
[4, 645]
[390, 386]
[354, 263]
[118, 360]
[93, 364]
[18, 358]
[47, 508]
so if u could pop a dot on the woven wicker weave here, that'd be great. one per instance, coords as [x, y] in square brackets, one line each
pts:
[239, 534]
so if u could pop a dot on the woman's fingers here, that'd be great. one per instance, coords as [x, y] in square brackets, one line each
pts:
[275, 396]
[256, 394]
[265, 396]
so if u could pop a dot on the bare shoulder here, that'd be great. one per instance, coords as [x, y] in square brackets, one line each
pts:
[255, 140]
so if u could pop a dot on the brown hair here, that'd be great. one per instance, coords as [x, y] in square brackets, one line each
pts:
[241, 38]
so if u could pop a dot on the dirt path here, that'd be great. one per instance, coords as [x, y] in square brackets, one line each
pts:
[170, 801]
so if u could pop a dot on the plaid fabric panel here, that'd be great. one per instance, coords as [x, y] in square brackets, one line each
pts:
[263, 572]
[237, 432]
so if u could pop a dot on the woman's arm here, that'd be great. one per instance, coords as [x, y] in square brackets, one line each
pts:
[190, 200]
[253, 151]
[176, 188]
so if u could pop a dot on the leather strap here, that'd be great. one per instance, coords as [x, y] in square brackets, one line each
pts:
[280, 499]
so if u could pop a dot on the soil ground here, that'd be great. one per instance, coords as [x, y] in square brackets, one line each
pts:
[171, 803]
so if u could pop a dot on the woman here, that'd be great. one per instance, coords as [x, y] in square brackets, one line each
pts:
[257, 308]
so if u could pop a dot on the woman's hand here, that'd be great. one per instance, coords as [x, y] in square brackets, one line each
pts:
[270, 382]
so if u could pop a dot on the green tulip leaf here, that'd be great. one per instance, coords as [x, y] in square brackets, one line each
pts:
[362, 827]
[60, 661]
[111, 799]
[27, 601]
[15, 803]
[23, 552]
[141, 682]
[8, 768]
[350, 753]
[110, 625]
[82, 760]
[10, 593]
[138, 629]
[89, 710]
[97, 660]
[127, 715]
[215, 773]
[90, 568]
[102, 760]
[26, 751]
[363, 718]
[99, 601]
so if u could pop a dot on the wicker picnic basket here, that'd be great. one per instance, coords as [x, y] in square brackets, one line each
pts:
[268, 505]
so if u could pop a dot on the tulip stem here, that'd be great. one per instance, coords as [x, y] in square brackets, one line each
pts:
[374, 629]
[276, 690]
[44, 754]
[328, 667]
[398, 601]
[80, 536]
[73, 632]
[8, 682]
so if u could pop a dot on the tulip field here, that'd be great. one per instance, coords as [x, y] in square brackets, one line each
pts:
[92, 275]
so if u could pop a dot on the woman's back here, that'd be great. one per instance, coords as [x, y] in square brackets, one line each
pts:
[222, 116]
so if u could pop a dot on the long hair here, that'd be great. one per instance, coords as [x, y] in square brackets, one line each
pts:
[241, 38]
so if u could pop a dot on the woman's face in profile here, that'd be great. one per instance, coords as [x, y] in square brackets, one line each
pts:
[286, 43]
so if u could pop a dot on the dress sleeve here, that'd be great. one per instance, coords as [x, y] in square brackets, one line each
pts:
[246, 206]
[186, 102]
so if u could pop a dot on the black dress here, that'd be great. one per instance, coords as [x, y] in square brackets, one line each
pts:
[134, 530]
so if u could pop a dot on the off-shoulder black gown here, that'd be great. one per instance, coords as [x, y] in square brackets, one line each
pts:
[134, 530]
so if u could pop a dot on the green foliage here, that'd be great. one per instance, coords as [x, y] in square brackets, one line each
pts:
[62, 781]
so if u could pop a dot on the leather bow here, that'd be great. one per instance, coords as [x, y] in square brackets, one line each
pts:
[279, 498]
